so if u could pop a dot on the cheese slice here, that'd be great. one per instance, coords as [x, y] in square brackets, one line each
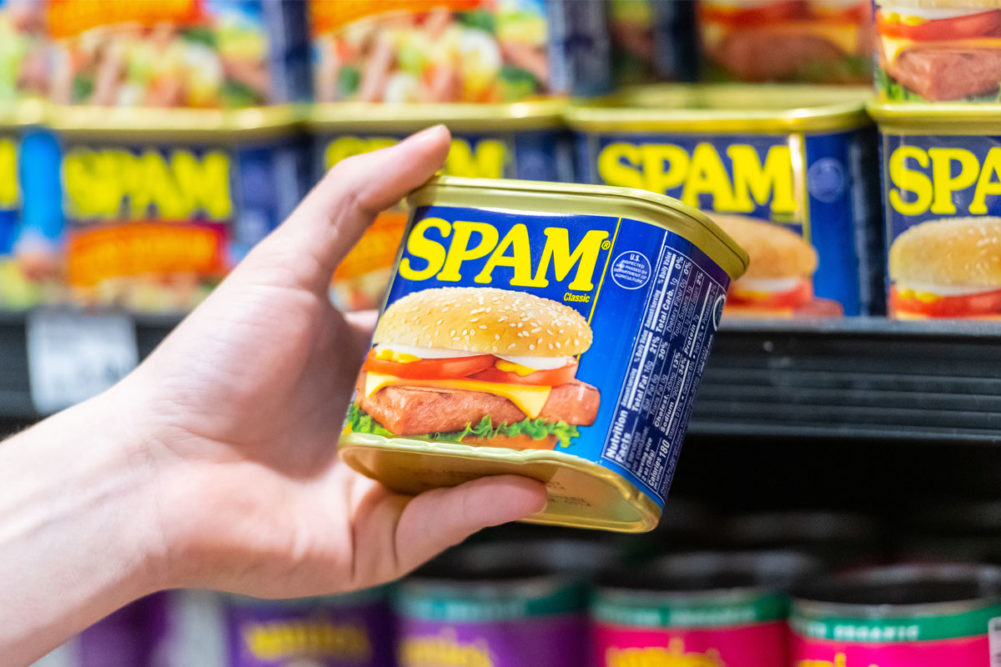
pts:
[528, 398]
[893, 46]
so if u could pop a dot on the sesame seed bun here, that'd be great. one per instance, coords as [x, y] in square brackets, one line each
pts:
[486, 320]
[774, 252]
[950, 251]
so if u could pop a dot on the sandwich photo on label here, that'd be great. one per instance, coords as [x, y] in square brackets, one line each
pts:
[476, 366]
[820, 41]
[948, 268]
[779, 278]
[948, 50]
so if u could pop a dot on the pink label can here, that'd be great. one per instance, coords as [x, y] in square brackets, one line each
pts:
[697, 610]
[902, 616]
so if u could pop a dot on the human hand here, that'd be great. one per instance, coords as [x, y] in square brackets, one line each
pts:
[238, 412]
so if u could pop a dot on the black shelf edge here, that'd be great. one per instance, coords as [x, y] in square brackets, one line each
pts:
[859, 378]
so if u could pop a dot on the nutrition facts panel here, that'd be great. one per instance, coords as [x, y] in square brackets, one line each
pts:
[682, 310]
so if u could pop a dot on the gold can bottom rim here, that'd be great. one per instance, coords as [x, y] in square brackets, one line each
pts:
[615, 504]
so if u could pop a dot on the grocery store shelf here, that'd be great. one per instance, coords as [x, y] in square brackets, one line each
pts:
[854, 378]
[857, 378]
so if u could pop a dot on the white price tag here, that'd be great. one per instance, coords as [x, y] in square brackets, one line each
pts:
[73, 356]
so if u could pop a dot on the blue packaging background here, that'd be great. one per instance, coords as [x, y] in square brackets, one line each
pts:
[842, 226]
[9, 216]
[897, 223]
[267, 180]
[617, 311]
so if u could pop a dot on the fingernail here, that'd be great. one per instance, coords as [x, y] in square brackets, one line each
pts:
[428, 132]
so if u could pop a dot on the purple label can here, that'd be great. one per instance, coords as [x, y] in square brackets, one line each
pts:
[354, 630]
[499, 605]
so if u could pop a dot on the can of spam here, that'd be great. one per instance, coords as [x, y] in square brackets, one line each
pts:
[942, 204]
[524, 140]
[789, 172]
[183, 53]
[351, 630]
[938, 51]
[157, 205]
[899, 616]
[505, 604]
[807, 41]
[472, 51]
[551, 330]
[702, 608]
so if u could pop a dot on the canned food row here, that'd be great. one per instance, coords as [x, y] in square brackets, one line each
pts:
[574, 603]
[212, 53]
[147, 209]
[235, 53]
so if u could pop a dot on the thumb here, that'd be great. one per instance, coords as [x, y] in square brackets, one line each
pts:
[438, 519]
[329, 221]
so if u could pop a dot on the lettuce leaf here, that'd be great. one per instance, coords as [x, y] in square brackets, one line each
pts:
[359, 421]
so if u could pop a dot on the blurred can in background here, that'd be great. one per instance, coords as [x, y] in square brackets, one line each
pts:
[474, 51]
[806, 41]
[652, 40]
[185, 53]
[524, 140]
[899, 616]
[352, 630]
[23, 50]
[157, 206]
[504, 604]
[699, 608]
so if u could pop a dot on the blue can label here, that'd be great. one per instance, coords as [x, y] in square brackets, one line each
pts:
[154, 226]
[10, 190]
[582, 334]
[805, 192]
[942, 199]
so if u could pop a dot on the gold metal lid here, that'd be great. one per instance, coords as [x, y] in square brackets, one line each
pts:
[582, 493]
[938, 118]
[22, 113]
[360, 116]
[725, 108]
[568, 198]
[169, 123]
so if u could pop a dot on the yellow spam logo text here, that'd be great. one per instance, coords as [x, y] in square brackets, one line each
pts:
[672, 656]
[470, 248]
[444, 650]
[10, 192]
[924, 180]
[484, 160]
[307, 637]
[116, 184]
[702, 172]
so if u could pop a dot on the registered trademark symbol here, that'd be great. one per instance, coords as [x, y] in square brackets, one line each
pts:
[605, 245]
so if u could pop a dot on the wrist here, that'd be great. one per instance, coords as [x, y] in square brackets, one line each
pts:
[120, 483]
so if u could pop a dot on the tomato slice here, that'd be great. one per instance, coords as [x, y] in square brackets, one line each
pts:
[430, 369]
[794, 298]
[761, 14]
[981, 24]
[966, 305]
[548, 378]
